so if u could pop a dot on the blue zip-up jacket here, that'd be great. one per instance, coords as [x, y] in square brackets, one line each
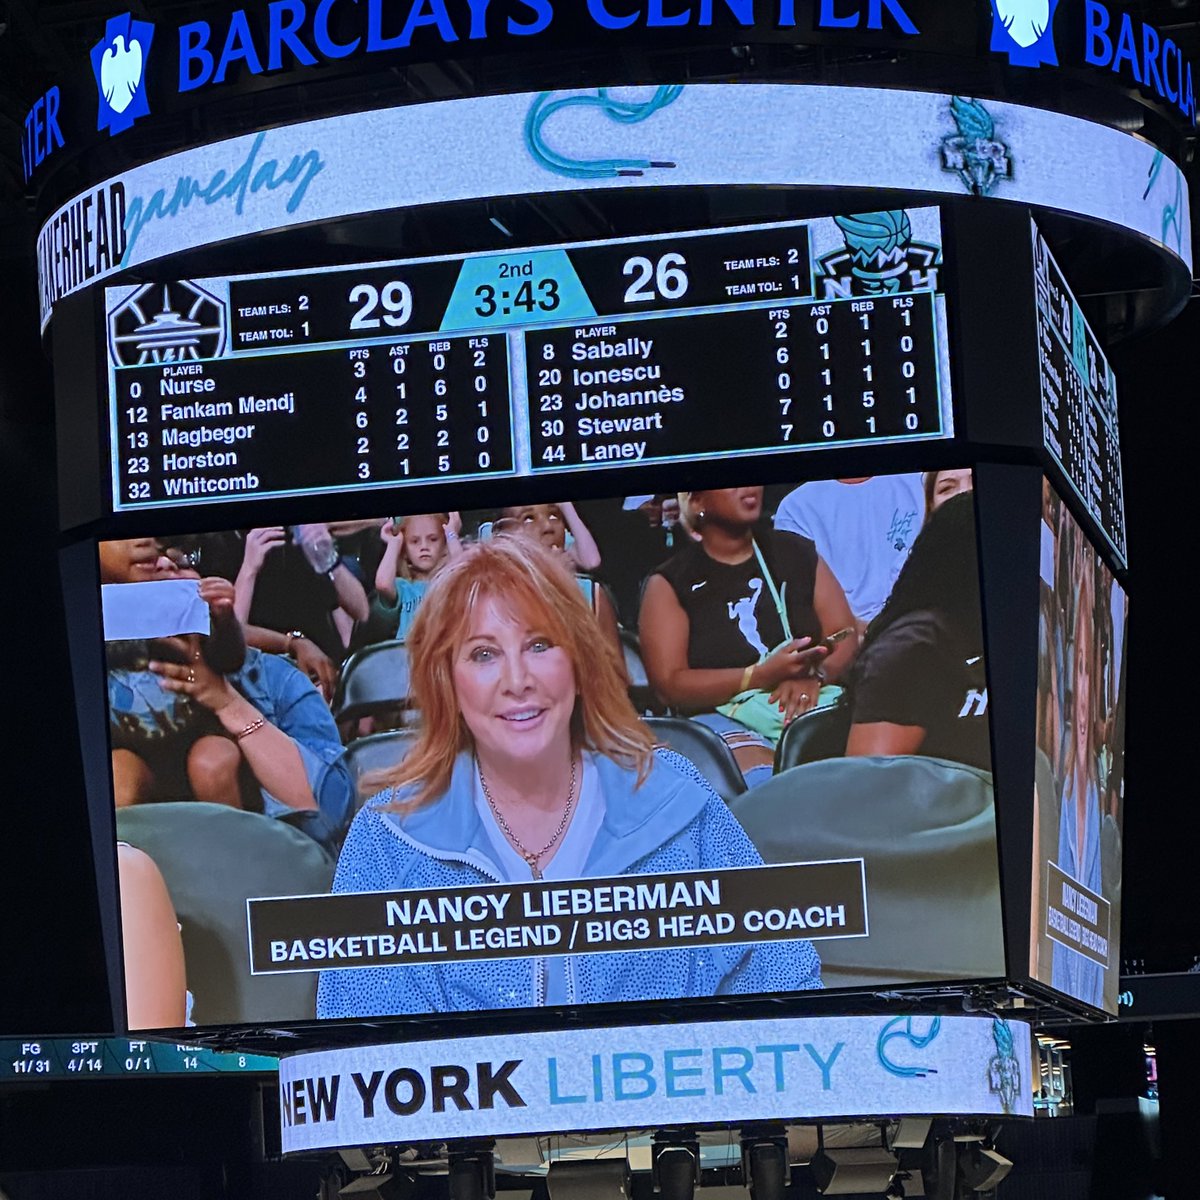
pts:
[673, 822]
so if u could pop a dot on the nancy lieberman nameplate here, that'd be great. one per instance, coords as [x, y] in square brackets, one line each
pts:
[578, 916]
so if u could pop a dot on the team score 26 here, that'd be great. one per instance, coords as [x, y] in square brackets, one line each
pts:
[530, 297]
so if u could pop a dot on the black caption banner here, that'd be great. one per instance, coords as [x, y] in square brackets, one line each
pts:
[586, 916]
[1075, 916]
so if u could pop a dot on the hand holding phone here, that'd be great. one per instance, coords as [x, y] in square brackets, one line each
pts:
[833, 639]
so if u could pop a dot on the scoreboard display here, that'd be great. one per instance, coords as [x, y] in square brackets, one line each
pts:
[665, 349]
[88, 1058]
[1079, 400]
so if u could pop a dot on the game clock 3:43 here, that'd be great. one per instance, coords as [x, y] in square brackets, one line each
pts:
[527, 297]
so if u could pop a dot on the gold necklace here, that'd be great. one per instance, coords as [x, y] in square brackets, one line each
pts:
[532, 857]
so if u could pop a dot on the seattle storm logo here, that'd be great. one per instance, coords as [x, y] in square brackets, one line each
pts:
[166, 323]
[119, 65]
[879, 258]
[973, 153]
[1024, 30]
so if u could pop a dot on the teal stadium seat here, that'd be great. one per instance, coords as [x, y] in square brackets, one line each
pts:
[926, 831]
[213, 859]
[374, 678]
[813, 736]
[641, 694]
[375, 752]
[707, 751]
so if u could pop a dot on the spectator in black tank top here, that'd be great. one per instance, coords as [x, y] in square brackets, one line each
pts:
[919, 686]
[710, 625]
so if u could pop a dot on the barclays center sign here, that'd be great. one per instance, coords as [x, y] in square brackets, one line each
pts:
[140, 68]
[1027, 32]
[307, 33]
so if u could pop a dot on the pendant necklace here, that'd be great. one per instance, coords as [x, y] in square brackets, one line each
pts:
[532, 857]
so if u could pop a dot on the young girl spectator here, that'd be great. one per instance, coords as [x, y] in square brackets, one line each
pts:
[415, 548]
[549, 524]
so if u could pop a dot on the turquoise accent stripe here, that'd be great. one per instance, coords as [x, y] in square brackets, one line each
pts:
[527, 287]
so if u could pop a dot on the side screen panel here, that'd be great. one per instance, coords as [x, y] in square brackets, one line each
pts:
[1080, 764]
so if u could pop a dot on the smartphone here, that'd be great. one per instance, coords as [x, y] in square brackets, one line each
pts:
[833, 639]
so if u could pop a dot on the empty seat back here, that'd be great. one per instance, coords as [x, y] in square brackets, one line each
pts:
[711, 757]
[213, 858]
[377, 752]
[926, 830]
[374, 677]
[813, 736]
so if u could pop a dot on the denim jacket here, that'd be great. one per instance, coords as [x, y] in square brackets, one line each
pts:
[673, 822]
[287, 699]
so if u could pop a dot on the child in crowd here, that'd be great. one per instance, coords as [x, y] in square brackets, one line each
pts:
[415, 547]
[549, 525]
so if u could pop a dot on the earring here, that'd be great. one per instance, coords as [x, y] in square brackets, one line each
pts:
[701, 514]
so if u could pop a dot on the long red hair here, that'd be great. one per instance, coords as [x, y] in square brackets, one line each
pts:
[542, 590]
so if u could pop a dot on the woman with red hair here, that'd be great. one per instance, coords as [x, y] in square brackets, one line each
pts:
[531, 764]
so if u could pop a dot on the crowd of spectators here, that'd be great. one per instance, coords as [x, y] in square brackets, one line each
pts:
[748, 607]
[743, 609]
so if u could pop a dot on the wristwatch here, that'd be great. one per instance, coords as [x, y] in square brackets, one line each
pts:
[293, 636]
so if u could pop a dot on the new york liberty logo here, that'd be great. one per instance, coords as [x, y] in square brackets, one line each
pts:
[1004, 1068]
[974, 153]
[880, 257]
[1024, 30]
[119, 65]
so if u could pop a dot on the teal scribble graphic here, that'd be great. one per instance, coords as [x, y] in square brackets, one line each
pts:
[623, 112]
[1172, 226]
[248, 178]
[878, 244]
[902, 1029]
[973, 153]
[1004, 1068]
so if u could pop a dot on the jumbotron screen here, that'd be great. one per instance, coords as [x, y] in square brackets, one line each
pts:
[659, 746]
[1080, 781]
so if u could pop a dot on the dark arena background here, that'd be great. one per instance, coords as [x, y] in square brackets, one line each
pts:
[309, 309]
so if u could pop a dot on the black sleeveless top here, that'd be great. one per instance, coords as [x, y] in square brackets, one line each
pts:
[731, 612]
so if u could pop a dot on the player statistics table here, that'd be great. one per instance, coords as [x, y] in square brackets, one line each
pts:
[661, 349]
[1079, 400]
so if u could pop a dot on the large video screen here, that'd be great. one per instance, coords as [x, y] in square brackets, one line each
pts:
[1080, 780]
[1079, 399]
[673, 745]
[587, 355]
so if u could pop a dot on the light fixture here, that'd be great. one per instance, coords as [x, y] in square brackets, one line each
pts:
[851, 1171]
[910, 1133]
[588, 1179]
[675, 1164]
[765, 1161]
[472, 1170]
[380, 1185]
[981, 1168]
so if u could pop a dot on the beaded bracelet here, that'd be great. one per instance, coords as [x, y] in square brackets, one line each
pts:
[253, 727]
